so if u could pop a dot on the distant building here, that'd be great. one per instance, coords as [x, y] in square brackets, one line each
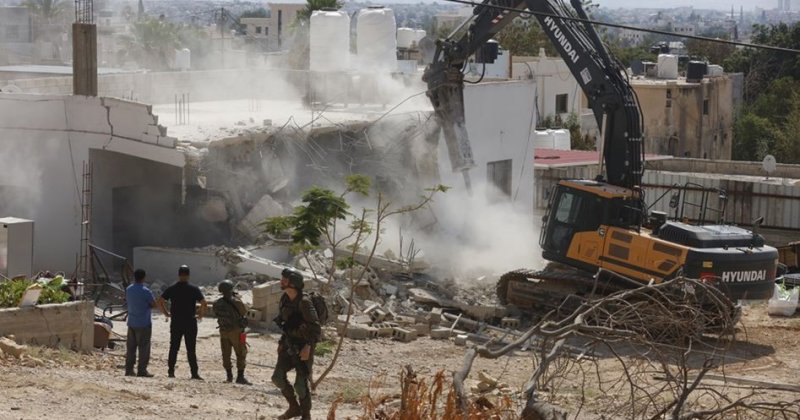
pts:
[689, 119]
[273, 29]
[632, 37]
[16, 35]
[684, 28]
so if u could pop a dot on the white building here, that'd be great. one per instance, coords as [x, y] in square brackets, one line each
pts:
[500, 121]
[46, 141]
[557, 93]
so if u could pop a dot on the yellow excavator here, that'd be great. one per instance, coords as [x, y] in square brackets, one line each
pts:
[600, 232]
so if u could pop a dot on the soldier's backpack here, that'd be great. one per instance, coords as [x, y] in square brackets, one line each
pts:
[320, 306]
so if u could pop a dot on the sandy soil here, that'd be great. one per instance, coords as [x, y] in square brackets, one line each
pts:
[66, 385]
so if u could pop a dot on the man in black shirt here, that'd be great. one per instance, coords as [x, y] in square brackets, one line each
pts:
[183, 298]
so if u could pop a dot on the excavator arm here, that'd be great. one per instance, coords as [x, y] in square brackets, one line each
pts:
[601, 78]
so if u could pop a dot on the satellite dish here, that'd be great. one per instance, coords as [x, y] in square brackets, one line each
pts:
[769, 164]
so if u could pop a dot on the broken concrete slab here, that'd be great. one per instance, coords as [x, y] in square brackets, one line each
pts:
[382, 263]
[264, 208]
[9, 346]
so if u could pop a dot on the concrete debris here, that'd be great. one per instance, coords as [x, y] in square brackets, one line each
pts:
[440, 333]
[404, 335]
[383, 263]
[264, 208]
[461, 339]
[9, 346]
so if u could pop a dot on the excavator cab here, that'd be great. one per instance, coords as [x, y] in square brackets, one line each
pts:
[580, 208]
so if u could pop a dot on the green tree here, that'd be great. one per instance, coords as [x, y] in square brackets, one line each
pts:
[714, 52]
[525, 37]
[753, 137]
[312, 5]
[152, 42]
[325, 219]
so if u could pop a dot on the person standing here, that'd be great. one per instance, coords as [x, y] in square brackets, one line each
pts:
[301, 331]
[230, 313]
[183, 314]
[140, 301]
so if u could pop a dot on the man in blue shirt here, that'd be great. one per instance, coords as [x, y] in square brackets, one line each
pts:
[140, 326]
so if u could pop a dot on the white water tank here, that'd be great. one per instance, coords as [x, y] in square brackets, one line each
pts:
[376, 39]
[418, 35]
[667, 66]
[552, 139]
[405, 37]
[715, 70]
[561, 140]
[183, 59]
[329, 41]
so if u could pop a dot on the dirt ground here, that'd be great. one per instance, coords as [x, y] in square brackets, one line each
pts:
[62, 384]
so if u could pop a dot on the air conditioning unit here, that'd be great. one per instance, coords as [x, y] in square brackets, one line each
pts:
[16, 247]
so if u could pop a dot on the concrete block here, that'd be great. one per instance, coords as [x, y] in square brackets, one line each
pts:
[404, 320]
[440, 333]
[9, 346]
[376, 313]
[423, 328]
[69, 325]
[404, 335]
[461, 340]
[255, 315]
[360, 332]
[385, 329]
[435, 316]
[509, 323]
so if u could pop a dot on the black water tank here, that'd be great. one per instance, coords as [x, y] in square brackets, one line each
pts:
[488, 52]
[637, 67]
[695, 71]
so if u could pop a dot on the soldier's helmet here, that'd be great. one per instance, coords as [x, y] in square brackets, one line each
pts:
[225, 286]
[295, 278]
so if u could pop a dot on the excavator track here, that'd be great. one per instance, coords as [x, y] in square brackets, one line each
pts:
[556, 287]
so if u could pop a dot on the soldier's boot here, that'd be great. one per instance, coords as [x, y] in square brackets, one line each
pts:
[305, 408]
[240, 379]
[229, 373]
[294, 408]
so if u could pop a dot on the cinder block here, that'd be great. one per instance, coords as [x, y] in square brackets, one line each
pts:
[440, 333]
[510, 323]
[422, 329]
[435, 316]
[404, 335]
[461, 339]
[360, 332]
[385, 329]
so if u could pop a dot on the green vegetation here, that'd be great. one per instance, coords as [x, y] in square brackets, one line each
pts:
[11, 291]
[770, 119]
[324, 347]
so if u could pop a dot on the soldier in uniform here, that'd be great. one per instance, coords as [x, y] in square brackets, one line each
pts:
[301, 331]
[230, 313]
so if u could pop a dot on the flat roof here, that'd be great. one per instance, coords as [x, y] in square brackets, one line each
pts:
[57, 70]
[552, 158]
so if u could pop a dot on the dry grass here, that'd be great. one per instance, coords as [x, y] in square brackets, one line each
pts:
[432, 398]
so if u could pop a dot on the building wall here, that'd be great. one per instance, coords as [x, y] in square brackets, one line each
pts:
[500, 119]
[675, 122]
[46, 141]
[553, 78]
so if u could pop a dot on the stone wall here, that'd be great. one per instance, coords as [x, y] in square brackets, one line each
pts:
[69, 325]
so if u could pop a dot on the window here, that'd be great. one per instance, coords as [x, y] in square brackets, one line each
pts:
[266, 31]
[258, 29]
[499, 174]
[705, 107]
[561, 104]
